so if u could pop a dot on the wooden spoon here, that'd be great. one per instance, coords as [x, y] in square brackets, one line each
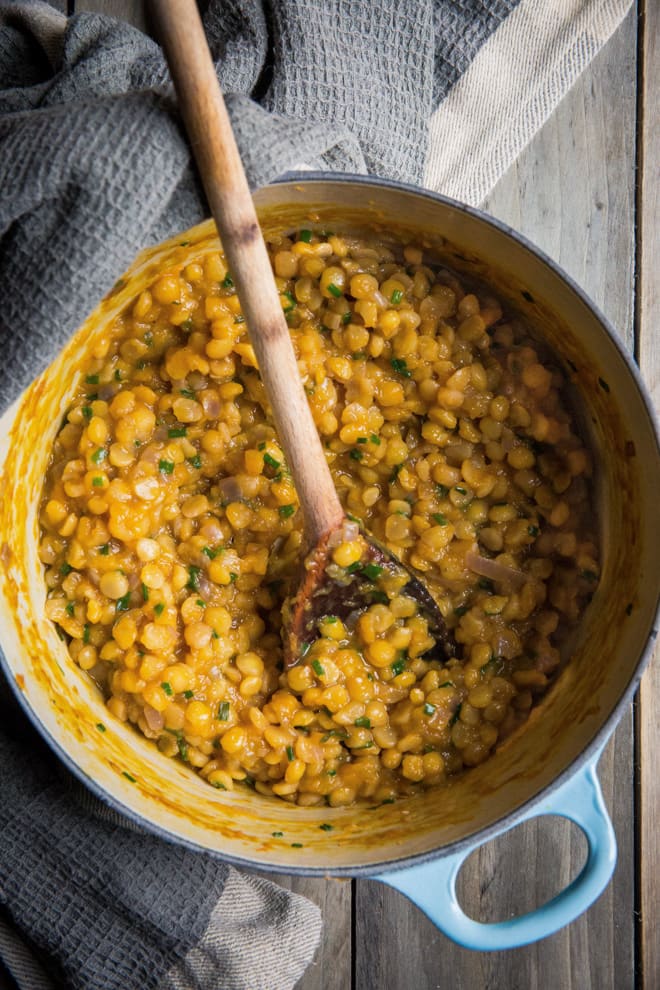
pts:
[325, 522]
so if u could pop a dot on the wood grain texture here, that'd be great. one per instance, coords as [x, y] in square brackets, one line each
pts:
[572, 193]
[649, 359]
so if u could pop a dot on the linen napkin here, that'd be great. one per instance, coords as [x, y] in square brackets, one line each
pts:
[94, 166]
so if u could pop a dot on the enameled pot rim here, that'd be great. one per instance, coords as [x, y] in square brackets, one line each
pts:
[589, 753]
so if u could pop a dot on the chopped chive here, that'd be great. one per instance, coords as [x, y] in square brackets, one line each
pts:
[87, 412]
[100, 726]
[428, 708]
[460, 490]
[177, 431]
[318, 668]
[239, 319]
[92, 397]
[193, 577]
[270, 461]
[188, 694]
[354, 567]
[442, 491]
[105, 549]
[398, 666]
[65, 569]
[277, 835]
[355, 455]
[372, 571]
[145, 592]
[290, 755]
[334, 290]
[461, 610]
[363, 722]
[186, 326]
[117, 375]
[233, 576]
[92, 379]
[440, 519]
[330, 619]
[603, 384]
[325, 827]
[454, 719]
[331, 773]
[223, 711]
[129, 777]
[214, 635]
[167, 688]
[187, 393]
[291, 301]
[533, 530]
[122, 603]
[296, 845]
[304, 649]
[227, 282]
[184, 243]
[363, 440]
[97, 481]
[375, 440]
[159, 608]
[137, 443]
[85, 636]
[201, 603]
[182, 747]
[69, 608]
[346, 318]
[99, 455]
[167, 467]
[148, 338]
[395, 473]
[449, 683]
[196, 461]
[396, 297]
[358, 356]
[401, 367]
[306, 236]
[211, 552]
[286, 511]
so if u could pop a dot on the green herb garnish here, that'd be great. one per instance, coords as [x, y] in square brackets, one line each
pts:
[428, 708]
[129, 777]
[290, 755]
[196, 461]
[372, 571]
[401, 367]
[122, 604]
[363, 722]
[396, 297]
[193, 577]
[100, 726]
[318, 668]
[166, 466]
[167, 688]
[270, 461]
[92, 379]
[286, 511]
[99, 455]
[355, 455]
[440, 519]
[306, 236]
[177, 431]
[223, 711]
[334, 290]
[97, 481]
[159, 608]
[227, 282]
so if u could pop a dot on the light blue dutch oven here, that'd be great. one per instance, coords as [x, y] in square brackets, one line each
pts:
[547, 768]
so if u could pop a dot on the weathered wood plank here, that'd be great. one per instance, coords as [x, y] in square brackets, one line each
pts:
[649, 358]
[572, 193]
[331, 968]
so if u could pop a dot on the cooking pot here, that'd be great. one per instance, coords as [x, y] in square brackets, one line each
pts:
[547, 767]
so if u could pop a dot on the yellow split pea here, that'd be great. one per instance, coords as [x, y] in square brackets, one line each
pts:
[170, 523]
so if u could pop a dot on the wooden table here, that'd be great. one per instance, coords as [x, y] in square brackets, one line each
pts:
[586, 191]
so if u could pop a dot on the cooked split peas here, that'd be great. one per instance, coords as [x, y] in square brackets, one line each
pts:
[171, 530]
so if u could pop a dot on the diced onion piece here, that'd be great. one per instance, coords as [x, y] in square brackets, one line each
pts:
[493, 570]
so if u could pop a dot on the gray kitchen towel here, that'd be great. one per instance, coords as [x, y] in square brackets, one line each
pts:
[94, 166]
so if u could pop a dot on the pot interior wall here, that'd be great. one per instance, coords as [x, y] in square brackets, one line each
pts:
[117, 762]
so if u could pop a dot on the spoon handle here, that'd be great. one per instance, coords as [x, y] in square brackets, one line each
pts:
[214, 147]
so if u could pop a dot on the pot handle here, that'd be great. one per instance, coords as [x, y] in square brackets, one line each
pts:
[432, 886]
